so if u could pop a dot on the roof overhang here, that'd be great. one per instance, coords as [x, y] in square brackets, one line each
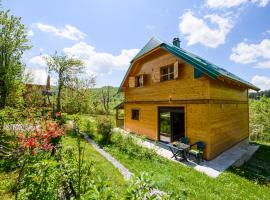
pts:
[198, 63]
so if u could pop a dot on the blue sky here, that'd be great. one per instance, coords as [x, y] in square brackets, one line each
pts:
[106, 34]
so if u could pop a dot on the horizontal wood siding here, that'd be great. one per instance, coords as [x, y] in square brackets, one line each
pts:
[228, 126]
[216, 112]
[184, 87]
[147, 123]
[225, 91]
[196, 117]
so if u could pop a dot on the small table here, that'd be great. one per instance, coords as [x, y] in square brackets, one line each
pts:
[179, 149]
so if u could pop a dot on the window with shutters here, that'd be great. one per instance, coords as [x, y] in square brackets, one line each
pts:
[167, 73]
[139, 81]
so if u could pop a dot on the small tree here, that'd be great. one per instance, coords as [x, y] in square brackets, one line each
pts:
[106, 98]
[13, 43]
[77, 95]
[65, 69]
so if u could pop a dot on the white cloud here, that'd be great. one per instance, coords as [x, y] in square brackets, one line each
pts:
[100, 62]
[234, 3]
[68, 32]
[30, 33]
[196, 30]
[97, 63]
[262, 82]
[38, 61]
[263, 65]
[259, 54]
[38, 76]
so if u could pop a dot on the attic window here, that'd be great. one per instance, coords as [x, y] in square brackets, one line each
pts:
[167, 73]
[139, 81]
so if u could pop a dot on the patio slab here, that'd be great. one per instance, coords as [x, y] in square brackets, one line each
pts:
[237, 155]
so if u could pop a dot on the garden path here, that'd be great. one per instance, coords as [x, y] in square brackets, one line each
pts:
[124, 171]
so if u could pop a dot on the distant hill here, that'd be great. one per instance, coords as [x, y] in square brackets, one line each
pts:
[257, 95]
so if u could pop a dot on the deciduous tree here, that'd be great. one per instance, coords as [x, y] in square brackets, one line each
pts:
[13, 43]
[65, 68]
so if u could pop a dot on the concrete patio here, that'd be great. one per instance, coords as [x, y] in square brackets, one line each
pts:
[237, 155]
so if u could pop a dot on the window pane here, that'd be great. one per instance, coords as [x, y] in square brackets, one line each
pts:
[165, 78]
[135, 114]
[172, 69]
[165, 123]
[164, 71]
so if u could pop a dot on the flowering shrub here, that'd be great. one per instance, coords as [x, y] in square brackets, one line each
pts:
[43, 135]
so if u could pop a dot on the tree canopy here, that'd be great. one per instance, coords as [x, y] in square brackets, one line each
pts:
[65, 69]
[13, 43]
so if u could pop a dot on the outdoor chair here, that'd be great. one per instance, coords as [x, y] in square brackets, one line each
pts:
[175, 151]
[198, 151]
[184, 140]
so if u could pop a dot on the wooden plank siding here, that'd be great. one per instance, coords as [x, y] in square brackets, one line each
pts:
[215, 111]
[184, 87]
[228, 125]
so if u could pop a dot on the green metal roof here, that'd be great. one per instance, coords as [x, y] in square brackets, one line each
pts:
[197, 62]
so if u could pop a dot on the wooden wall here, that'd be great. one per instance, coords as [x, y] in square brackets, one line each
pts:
[196, 117]
[221, 121]
[229, 125]
[185, 87]
[224, 91]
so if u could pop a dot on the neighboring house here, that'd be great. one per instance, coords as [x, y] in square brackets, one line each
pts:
[38, 93]
[171, 93]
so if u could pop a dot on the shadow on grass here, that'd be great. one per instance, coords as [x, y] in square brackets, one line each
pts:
[257, 169]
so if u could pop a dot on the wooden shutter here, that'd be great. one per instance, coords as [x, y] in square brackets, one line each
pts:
[156, 75]
[176, 70]
[131, 81]
[143, 78]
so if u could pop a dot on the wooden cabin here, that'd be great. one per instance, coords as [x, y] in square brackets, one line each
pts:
[170, 93]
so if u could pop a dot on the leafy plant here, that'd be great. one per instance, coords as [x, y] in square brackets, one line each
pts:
[129, 145]
[13, 43]
[260, 119]
[104, 128]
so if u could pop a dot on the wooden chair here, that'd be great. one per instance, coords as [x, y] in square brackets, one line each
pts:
[198, 151]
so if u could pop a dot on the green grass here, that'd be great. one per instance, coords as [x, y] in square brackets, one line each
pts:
[102, 167]
[178, 179]
[7, 180]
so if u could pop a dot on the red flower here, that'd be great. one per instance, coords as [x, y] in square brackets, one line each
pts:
[42, 136]
[58, 114]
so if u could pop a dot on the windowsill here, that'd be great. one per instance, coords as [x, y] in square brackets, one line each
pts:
[167, 80]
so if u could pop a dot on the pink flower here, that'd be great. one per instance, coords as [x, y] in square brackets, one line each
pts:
[58, 114]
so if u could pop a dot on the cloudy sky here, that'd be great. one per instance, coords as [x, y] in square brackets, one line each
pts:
[106, 34]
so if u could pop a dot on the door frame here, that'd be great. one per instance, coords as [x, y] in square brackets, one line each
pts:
[170, 107]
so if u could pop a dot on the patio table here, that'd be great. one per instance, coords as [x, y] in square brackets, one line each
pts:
[179, 149]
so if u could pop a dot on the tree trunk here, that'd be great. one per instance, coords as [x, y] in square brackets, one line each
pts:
[58, 99]
[3, 94]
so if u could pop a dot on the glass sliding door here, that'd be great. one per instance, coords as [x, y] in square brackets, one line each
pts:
[165, 126]
[171, 123]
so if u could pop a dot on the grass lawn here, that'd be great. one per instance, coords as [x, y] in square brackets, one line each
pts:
[102, 168]
[6, 183]
[182, 180]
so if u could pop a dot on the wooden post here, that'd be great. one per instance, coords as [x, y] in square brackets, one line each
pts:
[116, 117]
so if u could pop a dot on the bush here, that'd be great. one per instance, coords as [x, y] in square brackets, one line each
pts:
[104, 129]
[260, 119]
[129, 145]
